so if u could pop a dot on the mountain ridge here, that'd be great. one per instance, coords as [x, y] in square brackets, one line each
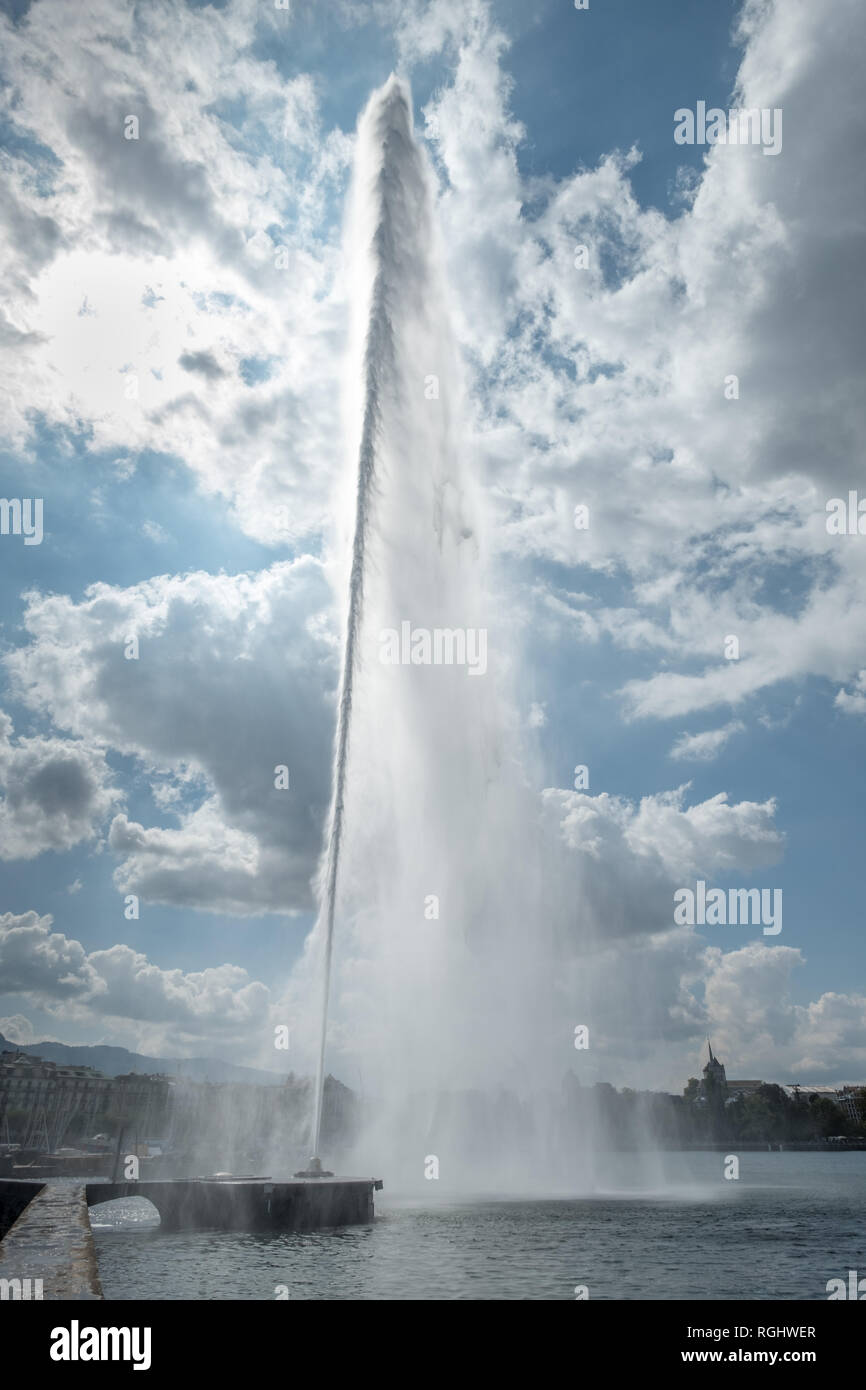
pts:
[117, 1061]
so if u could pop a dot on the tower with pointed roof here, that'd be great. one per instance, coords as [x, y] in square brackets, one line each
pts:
[715, 1083]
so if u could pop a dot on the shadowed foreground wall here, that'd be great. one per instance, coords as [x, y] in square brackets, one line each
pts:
[50, 1240]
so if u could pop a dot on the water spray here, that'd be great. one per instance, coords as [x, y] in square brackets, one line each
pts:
[391, 117]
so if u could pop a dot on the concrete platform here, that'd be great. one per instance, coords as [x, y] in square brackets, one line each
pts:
[249, 1204]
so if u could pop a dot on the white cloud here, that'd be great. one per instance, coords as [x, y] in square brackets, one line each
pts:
[706, 746]
[124, 991]
[172, 240]
[605, 386]
[627, 859]
[853, 701]
[759, 1031]
[17, 1029]
[204, 863]
[235, 677]
[601, 386]
[56, 793]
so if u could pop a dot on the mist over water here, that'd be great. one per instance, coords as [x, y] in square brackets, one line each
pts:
[698, 1240]
[453, 969]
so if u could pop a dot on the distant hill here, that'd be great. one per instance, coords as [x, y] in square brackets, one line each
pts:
[116, 1061]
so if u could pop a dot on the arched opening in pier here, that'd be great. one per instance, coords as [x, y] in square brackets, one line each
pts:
[124, 1214]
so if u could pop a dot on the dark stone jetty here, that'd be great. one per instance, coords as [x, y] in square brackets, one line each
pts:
[249, 1204]
[46, 1245]
[48, 1250]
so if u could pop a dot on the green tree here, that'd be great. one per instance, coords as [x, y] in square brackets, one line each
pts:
[827, 1118]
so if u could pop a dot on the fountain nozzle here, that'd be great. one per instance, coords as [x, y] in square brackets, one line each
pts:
[315, 1170]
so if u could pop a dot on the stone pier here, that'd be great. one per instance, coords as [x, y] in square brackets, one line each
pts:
[249, 1204]
[47, 1249]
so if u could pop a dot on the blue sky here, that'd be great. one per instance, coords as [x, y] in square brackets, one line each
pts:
[602, 386]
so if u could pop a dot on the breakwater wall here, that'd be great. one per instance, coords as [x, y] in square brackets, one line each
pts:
[47, 1249]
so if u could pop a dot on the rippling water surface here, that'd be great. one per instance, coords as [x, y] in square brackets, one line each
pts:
[789, 1224]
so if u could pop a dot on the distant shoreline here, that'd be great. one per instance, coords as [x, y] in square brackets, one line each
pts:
[769, 1145]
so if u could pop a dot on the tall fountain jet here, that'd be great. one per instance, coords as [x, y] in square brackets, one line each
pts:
[448, 954]
[424, 876]
[432, 941]
[385, 133]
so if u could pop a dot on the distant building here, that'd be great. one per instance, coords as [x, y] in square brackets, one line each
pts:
[716, 1087]
[743, 1088]
[850, 1100]
[714, 1083]
[42, 1099]
[846, 1097]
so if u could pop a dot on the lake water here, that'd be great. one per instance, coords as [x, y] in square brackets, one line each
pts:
[787, 1225]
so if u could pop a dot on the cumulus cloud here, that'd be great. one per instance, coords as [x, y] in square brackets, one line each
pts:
[208, 242]
[56, 793]
[204, 863]
[634, 977]
[853, 701]
[234, 678]
[602, 386]
[121, 987]
[605, 385]
[626, 860]
[196, 240]
[203, 362]
[17, 1029]
[760, 1031]
[36, 960]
